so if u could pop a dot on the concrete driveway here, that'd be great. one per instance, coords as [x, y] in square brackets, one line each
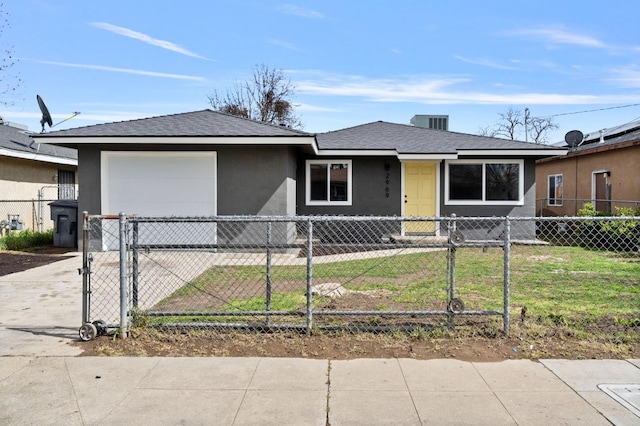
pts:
[41, 309]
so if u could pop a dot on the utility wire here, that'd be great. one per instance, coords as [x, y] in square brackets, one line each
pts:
[592, 110]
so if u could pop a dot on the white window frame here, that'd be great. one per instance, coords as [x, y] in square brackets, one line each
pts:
[557, 201]
[328, 163]
[485, 202]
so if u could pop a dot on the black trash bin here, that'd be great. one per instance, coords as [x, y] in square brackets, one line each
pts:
[64, 214]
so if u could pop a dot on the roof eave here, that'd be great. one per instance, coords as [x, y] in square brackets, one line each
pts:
[38, 157]
[513, 152]
[179, 140]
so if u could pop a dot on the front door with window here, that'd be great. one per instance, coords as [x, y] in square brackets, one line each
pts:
[419, 196]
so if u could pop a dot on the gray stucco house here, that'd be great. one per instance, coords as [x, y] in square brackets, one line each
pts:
[210, 163]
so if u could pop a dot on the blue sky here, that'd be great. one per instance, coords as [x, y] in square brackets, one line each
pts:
[352, 62]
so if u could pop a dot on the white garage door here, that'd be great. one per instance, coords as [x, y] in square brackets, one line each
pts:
[162, 184]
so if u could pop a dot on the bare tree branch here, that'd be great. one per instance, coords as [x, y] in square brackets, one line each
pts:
[487, 131]
[513, 123]
[538, 128]
[266, 97]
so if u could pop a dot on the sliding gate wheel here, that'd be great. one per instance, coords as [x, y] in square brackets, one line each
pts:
[101, 327]
[88, 332]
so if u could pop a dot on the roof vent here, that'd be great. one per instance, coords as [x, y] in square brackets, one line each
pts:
[438, 122]
[601, 136]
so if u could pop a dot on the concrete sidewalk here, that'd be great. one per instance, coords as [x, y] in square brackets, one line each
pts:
[283, 391]
[42, 381]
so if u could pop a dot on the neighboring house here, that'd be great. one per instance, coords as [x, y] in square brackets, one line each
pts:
[209, 163]
[603, 168]
[31, 174]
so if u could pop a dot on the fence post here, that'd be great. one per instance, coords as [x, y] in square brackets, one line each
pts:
[451, 269]
[309, 275]
[40, 210]
[507, 273]
[86, 292]
[123, 275]
[134, 266]
[268, 296]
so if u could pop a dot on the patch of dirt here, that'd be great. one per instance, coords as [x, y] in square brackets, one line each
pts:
[18, 261]
[489, 345]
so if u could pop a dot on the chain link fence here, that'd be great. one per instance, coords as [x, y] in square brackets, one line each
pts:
[33, 214]
[332, 273]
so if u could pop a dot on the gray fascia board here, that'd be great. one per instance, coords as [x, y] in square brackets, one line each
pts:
[512, 152]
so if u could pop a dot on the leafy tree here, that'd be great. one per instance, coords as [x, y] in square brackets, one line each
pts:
[8, 83]
[266, 97]
[514, 121]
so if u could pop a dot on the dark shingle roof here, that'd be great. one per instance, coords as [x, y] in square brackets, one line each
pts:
[406, 139]
[15, 139]
[194, 124]
[629, 132]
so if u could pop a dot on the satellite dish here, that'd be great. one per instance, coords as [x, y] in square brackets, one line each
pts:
[46, 117]
[573, 138]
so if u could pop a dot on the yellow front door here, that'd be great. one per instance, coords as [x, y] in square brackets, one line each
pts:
[419, 196]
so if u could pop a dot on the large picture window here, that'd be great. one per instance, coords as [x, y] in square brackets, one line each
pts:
[484, 182]
[328, 182]
[554, 190]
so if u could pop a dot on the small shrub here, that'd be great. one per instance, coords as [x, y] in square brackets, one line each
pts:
[610, 235]
[26, 239]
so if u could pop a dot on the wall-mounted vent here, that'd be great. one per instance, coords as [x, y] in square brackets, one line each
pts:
[438, 122]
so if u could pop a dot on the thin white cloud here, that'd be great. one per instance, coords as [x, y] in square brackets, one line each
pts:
[126, 32]
[291, 9]
[283, 43]
[559, 36]
[127, 71]
[625, 77]
[315, 108]
[484, 63]
[440, 90]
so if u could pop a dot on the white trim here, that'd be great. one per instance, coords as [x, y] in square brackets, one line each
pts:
[426, 157]
[512, 152]
[307, 183]
[358, 153]
[38, 157]
[483, 202]
[193, 140]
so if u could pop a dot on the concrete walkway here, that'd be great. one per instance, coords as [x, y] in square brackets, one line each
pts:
[42, 381]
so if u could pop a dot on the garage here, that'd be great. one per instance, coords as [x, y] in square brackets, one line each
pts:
[162, 184]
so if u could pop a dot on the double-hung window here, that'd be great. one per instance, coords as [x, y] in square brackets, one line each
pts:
[484, 182]
[328, 182]
[554, 190]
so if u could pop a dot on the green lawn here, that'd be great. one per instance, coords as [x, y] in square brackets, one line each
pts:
[559, 284]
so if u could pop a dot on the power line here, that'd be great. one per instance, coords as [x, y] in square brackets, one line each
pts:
[593, 110]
